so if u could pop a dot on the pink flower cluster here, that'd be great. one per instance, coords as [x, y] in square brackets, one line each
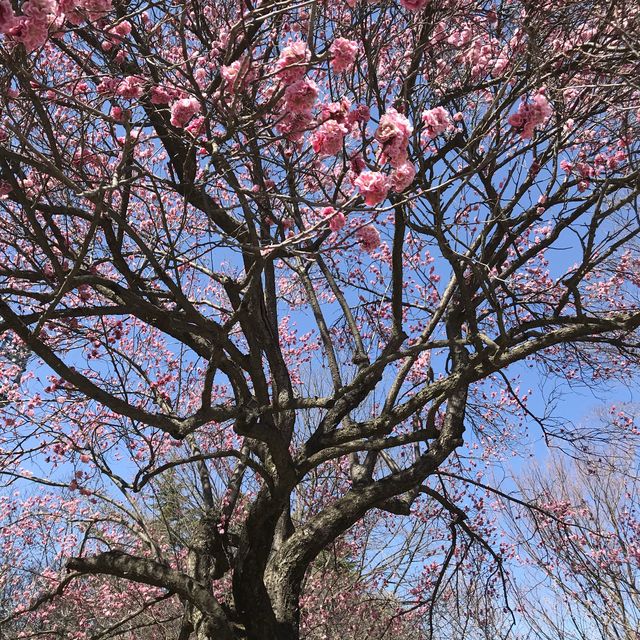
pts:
[292, 63]
[531, 115]
[299, 99]
[338, 111]
[393, 135]
[602, 163]
[486, 58]
[130, 88]
[343, 54]
[163, 95]
[293, 125]
[414, 5]
[237, 74]
[32, 27]
[402, 176]
[120, 30]
[183, 110]
[360, 113]
[368, 237]
[8, 18]
[301, 95]
[332, 124]
[357, 164]
[337, 219]
[373, 186]
[77, 10]
[336, 122]
[327, 139]
[436, 121]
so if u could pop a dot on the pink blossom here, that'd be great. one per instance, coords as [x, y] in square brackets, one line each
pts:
[393, 134]
[161, 95]
[196, 126]
[566, 166]
[373, 186]
[360, 113]
[531, 115]
[120, 30]
[7, 16]
[32, 33]
[614, 161]
[499, 65]
[337, 219]
[40, 10]
[357, 163]
[236, 74]
[328, 138]
[402, 176]
[230, 74]
[183, 110]
[108, 86]
[337, 222]
[517, 120]
[338, 111]
[368, 237]
[70, 10]
[460, 37]
[301, 95]
[414, 5]
[95, 9]
[130, 87]
[292, 63]
[117, 113]
[437, 121]
[585, 170]
[343, 54]
[293, 124]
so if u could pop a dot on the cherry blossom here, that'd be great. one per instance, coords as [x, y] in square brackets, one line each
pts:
[343, 54]
[368, 237]
[402, 176]
[373, 186]
[328, 138]
[292, 63]
[531, 115]
[393, 134]
[414, 5]
[437, 121]
[131, 87]
[161, 95]
[301, 95]
[337, 219]
[183, 110]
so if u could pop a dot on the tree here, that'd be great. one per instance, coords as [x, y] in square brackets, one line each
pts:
[277, 267]
[584, 540]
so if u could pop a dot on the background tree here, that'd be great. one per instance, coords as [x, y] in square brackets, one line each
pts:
[584, 540]
[279, 267]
